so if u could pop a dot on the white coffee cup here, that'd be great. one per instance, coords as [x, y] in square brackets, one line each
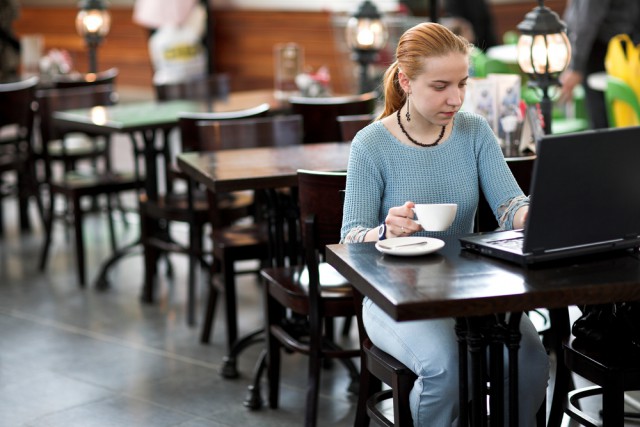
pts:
[435, 216]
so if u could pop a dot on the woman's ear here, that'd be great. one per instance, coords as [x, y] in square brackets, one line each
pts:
[404, 81]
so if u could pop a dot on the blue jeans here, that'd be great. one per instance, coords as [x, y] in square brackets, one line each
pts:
[430, 349]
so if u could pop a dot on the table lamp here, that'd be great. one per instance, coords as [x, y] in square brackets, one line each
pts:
[543, 53]
[366, 35]
[93, 23]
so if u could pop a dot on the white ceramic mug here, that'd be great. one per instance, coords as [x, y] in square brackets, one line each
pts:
[435, 216]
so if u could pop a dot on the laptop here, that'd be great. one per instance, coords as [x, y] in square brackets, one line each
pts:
[585, 199]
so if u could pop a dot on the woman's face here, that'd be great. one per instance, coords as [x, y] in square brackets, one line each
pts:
[438, 93]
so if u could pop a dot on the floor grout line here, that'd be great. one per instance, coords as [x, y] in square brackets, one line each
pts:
[104, 337]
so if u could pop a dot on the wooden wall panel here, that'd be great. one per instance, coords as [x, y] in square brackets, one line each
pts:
[243, 39]
[125, 47]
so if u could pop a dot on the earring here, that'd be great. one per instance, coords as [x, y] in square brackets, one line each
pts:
[408, 114]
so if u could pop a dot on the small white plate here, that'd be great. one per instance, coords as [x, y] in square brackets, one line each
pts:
[423, 246]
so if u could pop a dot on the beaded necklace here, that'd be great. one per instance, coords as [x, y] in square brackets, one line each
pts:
[413, 140]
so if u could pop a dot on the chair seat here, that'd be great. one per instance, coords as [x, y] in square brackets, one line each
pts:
[93, 184]
[77, 147]
[290, 289]
[175, 207]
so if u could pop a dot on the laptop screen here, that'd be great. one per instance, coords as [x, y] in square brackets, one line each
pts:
[585, 189]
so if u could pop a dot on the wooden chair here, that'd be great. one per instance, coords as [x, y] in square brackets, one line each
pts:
[74, 184]
[213, 86]
[78, 79]
[173, 206]
[613, 370]
[78, 147]
[16, 133]
[237, 242]
[320, 114]
[377, 367]
[352, 124]
[299, 290]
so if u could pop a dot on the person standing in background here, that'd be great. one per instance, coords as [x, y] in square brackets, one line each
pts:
[177, 31]
[9, 44]
[590, 26]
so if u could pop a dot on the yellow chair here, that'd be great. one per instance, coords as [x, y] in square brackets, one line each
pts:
[617, 91]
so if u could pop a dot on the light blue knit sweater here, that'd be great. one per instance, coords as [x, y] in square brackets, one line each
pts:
[384, 173]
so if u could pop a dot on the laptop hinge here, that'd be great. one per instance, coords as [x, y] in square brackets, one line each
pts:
[632, 236]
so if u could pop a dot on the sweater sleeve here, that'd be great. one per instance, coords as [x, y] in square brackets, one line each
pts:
[498, 184]
[364, 190]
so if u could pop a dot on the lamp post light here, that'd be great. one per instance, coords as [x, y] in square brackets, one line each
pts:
[93, 23]
[366, 35]
[543, 53]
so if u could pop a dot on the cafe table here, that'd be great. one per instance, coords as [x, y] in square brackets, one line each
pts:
[142, 121]
[460, 284]
[263, 169]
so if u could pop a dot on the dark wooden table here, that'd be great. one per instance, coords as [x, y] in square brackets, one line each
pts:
[463, 285]
[262, 168]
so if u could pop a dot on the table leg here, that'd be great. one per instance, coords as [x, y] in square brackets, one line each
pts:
[477, 352]
[513, 344]
[461, 332]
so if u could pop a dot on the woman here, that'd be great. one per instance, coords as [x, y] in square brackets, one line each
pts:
[422, 149]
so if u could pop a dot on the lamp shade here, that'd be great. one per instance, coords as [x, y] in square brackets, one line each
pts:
[543, 47]
[365, 29]
[93, 19]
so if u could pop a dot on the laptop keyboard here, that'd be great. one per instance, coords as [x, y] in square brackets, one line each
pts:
[514, 243]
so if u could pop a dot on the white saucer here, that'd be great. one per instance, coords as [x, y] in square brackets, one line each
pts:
[393, 246]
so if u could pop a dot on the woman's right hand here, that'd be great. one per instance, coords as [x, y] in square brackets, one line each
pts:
[400, 221]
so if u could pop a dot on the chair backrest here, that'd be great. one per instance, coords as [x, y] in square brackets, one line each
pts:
[320, 198]
[214, 86]
[249, 133]
[350, 125]
[188, 122]
[16, 104]
[52, 100]
[89, 79]
[320, 114]
[618, 90]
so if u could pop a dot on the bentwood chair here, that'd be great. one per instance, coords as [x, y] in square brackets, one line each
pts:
[312, 292]
[614, 371]
[16, 144]
[350, 125]
[320, 114]
[173, 206]
[206, 87]
[75, 147]
[247, 240]
[377, 367]
[76, 184]
[79, 79]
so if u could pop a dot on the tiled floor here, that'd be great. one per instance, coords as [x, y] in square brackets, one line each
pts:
[84, 357]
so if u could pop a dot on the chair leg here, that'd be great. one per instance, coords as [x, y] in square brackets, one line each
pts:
[112, 229]
[613, 404]
[230, 300]
[369, 385]
[79, 243]
[315, 367]
[48, 229]
[275, 314]
[209, 316]
[195, 249]
[151, 255]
